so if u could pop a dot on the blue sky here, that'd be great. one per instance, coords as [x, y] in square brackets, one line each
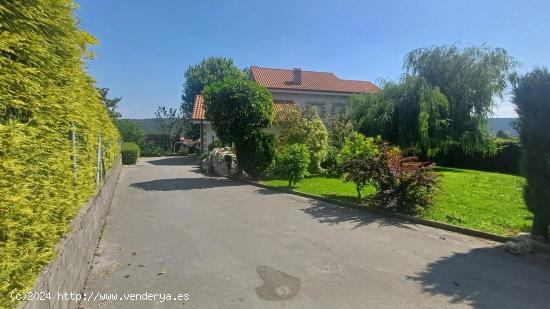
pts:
[146, 46]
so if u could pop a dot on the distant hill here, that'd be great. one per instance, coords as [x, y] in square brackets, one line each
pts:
[150, 126]
[504, 124]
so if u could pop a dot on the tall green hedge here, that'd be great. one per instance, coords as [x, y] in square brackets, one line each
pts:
[532, 100]
[45, 93]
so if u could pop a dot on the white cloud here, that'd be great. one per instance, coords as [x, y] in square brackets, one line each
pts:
[505, 110]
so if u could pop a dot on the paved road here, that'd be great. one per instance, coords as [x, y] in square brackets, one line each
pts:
[231, 245]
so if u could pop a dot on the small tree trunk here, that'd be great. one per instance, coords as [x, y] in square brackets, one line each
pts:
[540, 227]
[358, 189]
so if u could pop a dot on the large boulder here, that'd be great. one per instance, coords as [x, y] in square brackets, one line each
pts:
[221, 162]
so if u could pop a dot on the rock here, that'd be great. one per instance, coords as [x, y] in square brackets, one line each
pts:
[521, 237]
[205, 165]
[220, 162]
[519, 247]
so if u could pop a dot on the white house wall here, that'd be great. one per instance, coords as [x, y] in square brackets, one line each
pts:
[322, 103]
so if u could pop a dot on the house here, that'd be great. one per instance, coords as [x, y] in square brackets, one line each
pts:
[322, 91]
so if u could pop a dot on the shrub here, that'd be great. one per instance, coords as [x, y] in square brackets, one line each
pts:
[256, 153]
[130, 153]
[330, 163]
[403, 183]
[215, 144]
[531, 97]
[304, 127]
[292, 163]
[356, 160]
[339, 128]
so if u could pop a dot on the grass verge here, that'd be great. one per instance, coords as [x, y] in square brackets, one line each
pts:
[489, 202]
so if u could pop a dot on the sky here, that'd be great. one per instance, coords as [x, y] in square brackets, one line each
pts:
[146, 46]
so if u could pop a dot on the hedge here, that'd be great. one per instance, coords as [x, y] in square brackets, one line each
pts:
[130, 153]
[506, 159]
[45, 94]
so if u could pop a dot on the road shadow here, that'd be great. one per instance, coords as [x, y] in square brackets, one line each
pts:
[332, 214]
[176, 184]
[182, 160]
[489, 278]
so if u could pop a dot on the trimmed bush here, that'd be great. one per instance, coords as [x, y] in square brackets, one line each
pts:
[292, 163]
[130, 153]
[45, 95]
[256, 153]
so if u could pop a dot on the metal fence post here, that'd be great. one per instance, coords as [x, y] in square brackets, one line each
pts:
[99, 159]
[75, 166]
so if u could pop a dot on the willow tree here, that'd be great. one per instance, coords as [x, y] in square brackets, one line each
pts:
[532, 100]
[411, 114]
[470, 78]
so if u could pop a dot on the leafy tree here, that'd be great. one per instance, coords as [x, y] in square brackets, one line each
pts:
[411, 114]
[208, 71]
[292, 163]
[110, 103]
[532, 100]
[356, 157]
[171, 122]
[304, 127]
[130, 131]
[237, 109]
[256, 153]
[470, 79]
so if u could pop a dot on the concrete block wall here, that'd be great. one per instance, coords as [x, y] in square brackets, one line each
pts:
[68, 271]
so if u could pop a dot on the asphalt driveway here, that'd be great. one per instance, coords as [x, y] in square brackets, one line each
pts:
[218, 243]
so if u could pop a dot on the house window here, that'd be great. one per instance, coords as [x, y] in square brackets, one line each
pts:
[318, 107]
[338, 108]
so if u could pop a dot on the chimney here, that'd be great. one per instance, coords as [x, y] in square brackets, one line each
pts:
[297, 76]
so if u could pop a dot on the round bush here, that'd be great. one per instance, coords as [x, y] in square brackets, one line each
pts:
[130, 153]
[292, 163]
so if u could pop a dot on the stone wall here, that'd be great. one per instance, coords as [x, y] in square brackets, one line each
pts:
[69, 270]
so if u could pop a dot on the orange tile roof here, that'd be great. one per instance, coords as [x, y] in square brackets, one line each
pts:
[198, 109]
[310, 81]
[279, 108]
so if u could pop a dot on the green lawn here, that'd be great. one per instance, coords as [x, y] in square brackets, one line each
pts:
[490, 202]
